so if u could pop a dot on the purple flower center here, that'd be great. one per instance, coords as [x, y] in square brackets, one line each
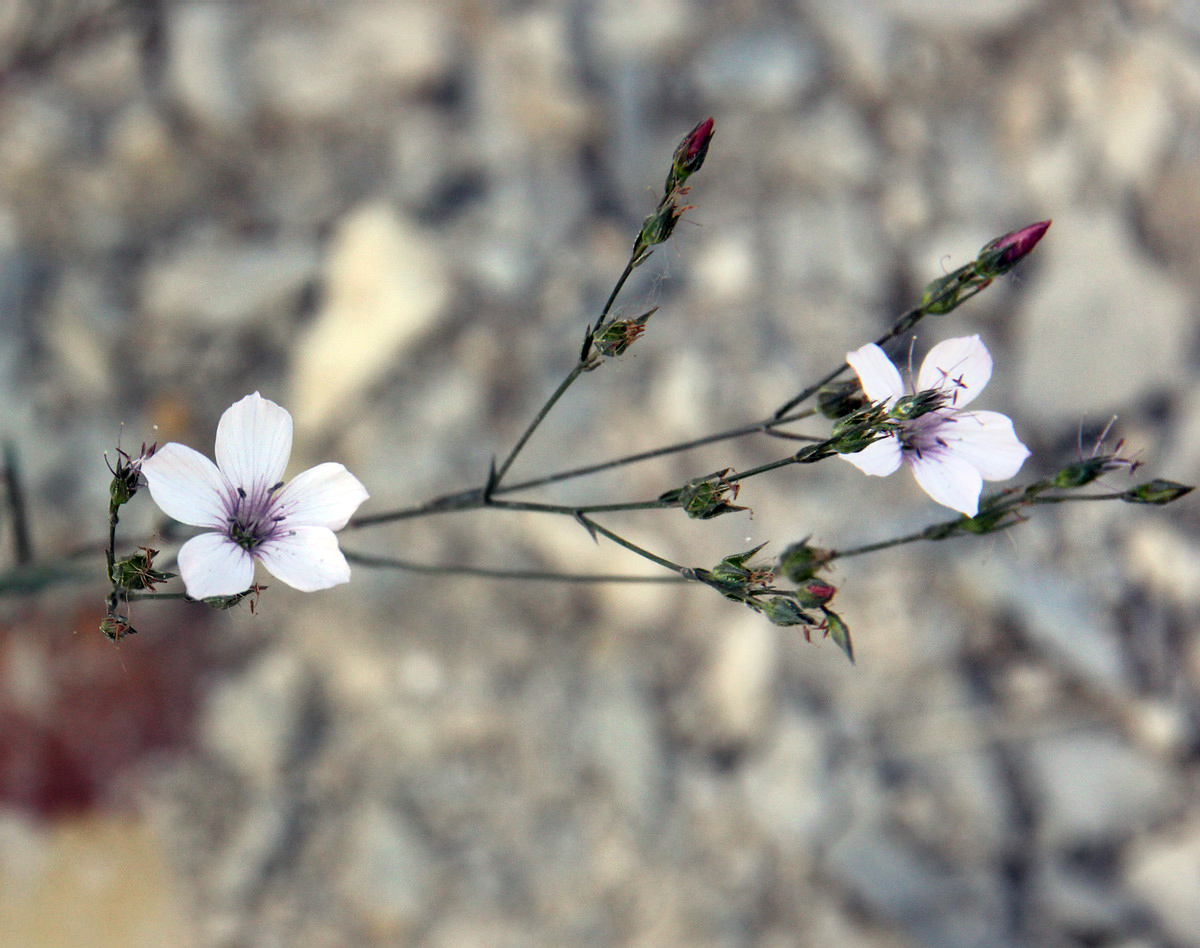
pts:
[252, 519]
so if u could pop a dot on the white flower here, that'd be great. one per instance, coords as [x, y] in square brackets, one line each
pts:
[951, 451]
[253, 515]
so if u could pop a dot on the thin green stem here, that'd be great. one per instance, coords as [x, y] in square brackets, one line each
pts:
[565, 384]
[881, 545]
[594, 527]
[616, 290]
[761, 469]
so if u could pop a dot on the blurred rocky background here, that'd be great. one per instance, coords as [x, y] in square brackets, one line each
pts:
[395, 218]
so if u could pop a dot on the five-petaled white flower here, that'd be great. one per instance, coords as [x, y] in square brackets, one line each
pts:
[951, 451]
[253, 515]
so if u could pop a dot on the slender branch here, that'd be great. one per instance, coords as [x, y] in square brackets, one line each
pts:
[389, 562]
[594, 527]
[573, 511]
[616, 290]
[533, 425]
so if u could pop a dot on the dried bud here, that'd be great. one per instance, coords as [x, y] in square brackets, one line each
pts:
[115, 627]
[127, 474]
[658, 227]
[800, 561]
[138, 572]
[690, 154]
[1004, 253]
[735, 570]
[707, 497]
[1157, 491]
[613, 338]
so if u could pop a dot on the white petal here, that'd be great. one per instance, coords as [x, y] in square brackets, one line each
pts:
[880, 379]
[950, 480]
[187, 485]
[961, 367]
[308, 559]
[254, 442]
[879, 458]
[213, 565]
[323, 496]
[987, 441]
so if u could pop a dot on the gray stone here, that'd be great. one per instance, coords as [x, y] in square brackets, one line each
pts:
[1060, 614]
[207, 68]
[251, 720]
[1164, 872]
[953, 17]
[1092, 788]
[390, 876]
[760, 69]
[227, 282]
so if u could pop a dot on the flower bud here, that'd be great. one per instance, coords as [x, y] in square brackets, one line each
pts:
[800, 561]
[690, 154]
[945, 293]
[784, 611]
[839, 399]
[814, 592]
[1004, 253]
[908, 407]
[1157, 491]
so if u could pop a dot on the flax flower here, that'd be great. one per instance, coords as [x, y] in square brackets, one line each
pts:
[251, 513]
[950, 449]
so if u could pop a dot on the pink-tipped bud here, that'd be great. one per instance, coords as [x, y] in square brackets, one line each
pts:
[1004, 253]
[691, 151]
[690, 154]
[814, 592]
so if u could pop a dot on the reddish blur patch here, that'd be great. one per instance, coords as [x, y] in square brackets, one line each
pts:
[76, 710]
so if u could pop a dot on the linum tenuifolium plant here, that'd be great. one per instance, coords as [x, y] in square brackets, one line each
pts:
[878, 423]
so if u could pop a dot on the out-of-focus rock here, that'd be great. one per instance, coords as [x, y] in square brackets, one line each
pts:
[1123, 319]
[385, 288]
[211, 279]
[1164, 871]
[1093, 789]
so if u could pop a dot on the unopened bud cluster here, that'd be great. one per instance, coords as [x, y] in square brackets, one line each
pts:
[687, 160]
